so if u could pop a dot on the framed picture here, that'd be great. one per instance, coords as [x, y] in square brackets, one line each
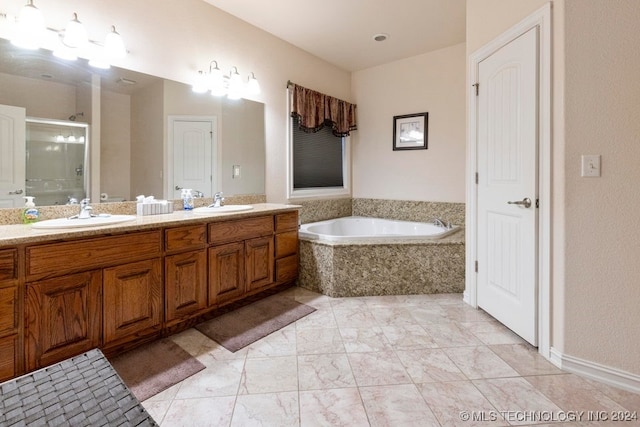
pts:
[410, 131]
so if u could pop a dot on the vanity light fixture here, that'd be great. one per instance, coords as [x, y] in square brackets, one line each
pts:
[114, 45]
[220, 85]
[30, 28]
[253, 87]
[235, 84]
[31, 32]
[75, 35]
[60, 138]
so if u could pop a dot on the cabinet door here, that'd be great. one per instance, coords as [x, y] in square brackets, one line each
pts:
[226, 272]
[259, 262]
[63, 317]
[132, 300]
[8, 354]
[185, 284]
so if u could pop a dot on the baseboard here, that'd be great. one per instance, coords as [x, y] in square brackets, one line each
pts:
[595, 371]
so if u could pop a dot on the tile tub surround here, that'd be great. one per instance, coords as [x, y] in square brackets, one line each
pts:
[404, 210]
[14, 215]
[408, 210]
[320, 210]
[347, 269]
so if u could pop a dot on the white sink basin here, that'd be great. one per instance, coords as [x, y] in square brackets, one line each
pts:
[94, 221]
[206, 210]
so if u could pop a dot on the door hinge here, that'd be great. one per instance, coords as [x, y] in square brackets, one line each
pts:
[477, 86]
[476, 264]
[537, 203]
[476, 177]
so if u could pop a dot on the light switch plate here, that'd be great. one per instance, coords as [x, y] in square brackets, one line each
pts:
[236, 171]
[590, 165]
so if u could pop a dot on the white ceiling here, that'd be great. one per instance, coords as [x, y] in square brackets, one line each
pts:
[341, 31]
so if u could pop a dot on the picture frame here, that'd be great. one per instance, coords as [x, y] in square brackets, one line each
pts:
[410, 131]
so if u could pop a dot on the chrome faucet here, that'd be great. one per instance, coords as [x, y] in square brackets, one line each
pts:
[440, 223]
[85, 209]
[217, 200]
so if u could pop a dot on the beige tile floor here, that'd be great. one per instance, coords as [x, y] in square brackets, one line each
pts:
[419, 360]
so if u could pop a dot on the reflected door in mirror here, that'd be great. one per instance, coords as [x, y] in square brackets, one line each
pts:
[194, 156]
[12, 149]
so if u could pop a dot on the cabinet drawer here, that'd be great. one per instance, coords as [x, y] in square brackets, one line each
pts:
[8, 264]
[286, 244]
[287, 221]
[241, 229]
[184, 238]
[8, 312]
[8, 358]
[287, 269]
[82, 255]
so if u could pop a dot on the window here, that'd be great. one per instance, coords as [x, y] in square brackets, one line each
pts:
[319, 163]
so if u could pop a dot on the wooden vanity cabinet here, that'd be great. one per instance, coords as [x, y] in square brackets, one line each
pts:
[286, 247]
[95, 292]
[64, 317]
[240, 258]
[115, 291]
[185, 274]
[10, 315]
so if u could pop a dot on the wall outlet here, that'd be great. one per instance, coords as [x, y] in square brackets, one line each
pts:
[590, 165]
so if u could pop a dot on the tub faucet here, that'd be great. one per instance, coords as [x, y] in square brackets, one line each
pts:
[85, 209]
[440, 223]
[217, 200]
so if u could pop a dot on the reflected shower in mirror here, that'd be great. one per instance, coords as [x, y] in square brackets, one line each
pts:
[128, 117]
[56, 167]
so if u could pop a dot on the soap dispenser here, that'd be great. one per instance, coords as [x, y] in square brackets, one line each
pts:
[30, 212]
[187, 199]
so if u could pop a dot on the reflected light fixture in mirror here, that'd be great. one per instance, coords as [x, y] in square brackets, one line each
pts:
[30, 32]
[221, 85]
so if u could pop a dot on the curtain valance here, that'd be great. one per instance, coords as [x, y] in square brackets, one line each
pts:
[315, 110]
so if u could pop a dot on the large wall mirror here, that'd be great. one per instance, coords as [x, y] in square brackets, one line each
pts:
[135, 127]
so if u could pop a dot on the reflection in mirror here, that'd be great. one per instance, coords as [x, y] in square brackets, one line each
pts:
[56, 167]
[129, 117]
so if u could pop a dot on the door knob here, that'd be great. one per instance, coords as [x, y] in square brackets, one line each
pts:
[526, 202]
[16, 192]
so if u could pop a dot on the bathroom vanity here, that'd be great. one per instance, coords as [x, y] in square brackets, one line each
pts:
[64, 292]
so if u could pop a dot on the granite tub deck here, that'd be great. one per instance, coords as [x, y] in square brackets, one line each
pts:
[383, 267]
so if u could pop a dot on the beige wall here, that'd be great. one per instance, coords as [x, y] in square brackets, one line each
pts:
[27, 93]
[596, 231]
[602, 287]
[115, 145]
[433, 82]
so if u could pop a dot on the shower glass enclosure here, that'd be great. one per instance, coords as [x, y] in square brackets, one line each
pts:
[56, 161]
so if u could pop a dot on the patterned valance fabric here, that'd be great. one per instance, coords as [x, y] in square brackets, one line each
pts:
[316, 110]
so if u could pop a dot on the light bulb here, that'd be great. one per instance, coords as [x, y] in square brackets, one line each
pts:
[235, 85]
[29, 31]
[60, 138]
[200, 83]
[253, 87]
[72, 138]
[216, 81]
[75, 35]
[114, 45]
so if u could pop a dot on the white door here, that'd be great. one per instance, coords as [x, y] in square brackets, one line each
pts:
[193, 157]
[507, 185]
[12, 156]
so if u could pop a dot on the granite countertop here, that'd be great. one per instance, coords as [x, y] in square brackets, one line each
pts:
[24, 233]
